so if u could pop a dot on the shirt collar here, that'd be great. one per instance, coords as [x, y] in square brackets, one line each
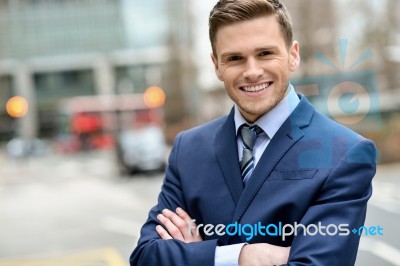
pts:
[271, 121]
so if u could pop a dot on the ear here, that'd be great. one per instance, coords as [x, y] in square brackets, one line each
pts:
[294, 56]
[216, 67]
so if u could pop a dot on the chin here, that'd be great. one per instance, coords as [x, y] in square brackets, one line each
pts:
[255, 112]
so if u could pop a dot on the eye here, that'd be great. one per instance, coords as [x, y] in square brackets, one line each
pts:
[265, 53]
[234, 58]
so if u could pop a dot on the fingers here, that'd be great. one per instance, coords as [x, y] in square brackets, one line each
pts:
[163, 233]
[173, 223]
[178, 225]
[192, 231]
[183, 215]
[190, 224]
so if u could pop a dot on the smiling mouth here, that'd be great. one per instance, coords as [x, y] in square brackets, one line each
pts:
[256, 88]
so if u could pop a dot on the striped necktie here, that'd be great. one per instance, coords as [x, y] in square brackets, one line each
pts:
[249, 135]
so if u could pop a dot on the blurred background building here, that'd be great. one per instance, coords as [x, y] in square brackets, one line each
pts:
[52, 50]
[74, 207]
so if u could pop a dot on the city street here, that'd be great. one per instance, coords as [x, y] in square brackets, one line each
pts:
[63, 210]
[75, 210]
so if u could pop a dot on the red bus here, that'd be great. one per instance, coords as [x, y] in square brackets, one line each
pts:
[95, 122]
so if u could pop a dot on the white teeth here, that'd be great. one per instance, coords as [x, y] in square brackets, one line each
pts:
[256, 88]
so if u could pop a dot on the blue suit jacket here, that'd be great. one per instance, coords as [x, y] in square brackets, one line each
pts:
[313, 170]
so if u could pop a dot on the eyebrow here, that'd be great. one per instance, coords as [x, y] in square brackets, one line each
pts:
[267, 48]
[229, 54]
[256, 50]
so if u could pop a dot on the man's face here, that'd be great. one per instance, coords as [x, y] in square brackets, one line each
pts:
[254, 62]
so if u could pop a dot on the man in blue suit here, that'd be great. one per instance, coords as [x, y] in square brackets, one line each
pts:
[289, 183]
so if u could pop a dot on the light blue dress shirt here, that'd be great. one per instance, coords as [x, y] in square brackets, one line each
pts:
[270, 123]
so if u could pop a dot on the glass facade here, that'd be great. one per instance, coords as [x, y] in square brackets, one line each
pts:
[63, 27]
[48, 29]
[6, 122]
[52, 86]
[45, 28]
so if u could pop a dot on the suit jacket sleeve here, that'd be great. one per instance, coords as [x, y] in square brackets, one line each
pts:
[342, 200]
[151, 249]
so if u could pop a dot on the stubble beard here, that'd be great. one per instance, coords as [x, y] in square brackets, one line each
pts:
[259, 108]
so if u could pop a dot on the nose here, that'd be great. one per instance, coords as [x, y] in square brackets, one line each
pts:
[253, 70]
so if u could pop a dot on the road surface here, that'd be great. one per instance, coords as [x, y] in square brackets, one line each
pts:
[75, 210]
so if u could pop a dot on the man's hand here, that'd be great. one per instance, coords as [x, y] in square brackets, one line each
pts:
[179, 226]
[263, 255]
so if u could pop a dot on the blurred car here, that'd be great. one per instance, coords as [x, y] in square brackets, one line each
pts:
[19, 147]
[141, 150]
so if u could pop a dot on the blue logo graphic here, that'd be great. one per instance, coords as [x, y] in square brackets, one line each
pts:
[348, 96]
[368, 231]
[249, 231]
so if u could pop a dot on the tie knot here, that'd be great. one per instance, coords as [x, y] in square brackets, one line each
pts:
[256, 129]
[249, 135]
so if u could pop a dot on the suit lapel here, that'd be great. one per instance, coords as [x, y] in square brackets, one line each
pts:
[227, 156]
[289, 133]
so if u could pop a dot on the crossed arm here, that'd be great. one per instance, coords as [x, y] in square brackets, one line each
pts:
[342, 199]
[173, 244]
[179, 225]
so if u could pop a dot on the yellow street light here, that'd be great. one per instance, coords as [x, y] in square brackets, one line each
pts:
[17, 106]
[154, 97]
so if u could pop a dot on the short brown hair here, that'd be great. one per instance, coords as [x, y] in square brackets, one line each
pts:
[227, 12]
